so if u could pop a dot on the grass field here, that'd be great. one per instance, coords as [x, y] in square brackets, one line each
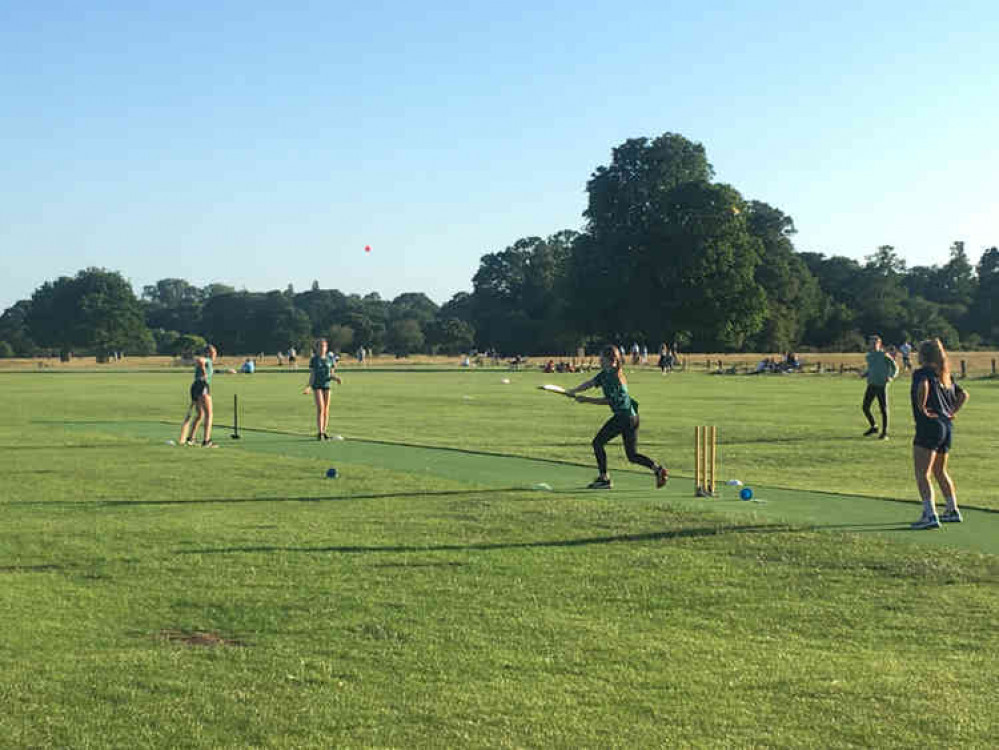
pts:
[168, 597]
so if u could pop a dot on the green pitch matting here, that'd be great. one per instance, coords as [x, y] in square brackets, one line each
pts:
[497, 472]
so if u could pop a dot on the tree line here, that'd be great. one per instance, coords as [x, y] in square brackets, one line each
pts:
[667, 254]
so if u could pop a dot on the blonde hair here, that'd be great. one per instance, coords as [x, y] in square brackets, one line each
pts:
[933, 355]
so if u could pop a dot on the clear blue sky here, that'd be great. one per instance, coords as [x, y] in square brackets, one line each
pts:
[261, 144]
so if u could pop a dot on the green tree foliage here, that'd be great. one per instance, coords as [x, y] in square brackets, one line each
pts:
[984, 314]
[519, 297]
[14, 329]
[340, 337]
[667, 250]
[252, 322]
[794, 299]
[450, 336]
[173, 305]
[405, 336]
[94, 310]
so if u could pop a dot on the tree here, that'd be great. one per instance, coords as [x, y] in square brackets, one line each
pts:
[96, 310]
[519, 296]
[340, 337]
[173, 304]
[415, 305]
[405, 337]
[794, 299]
[666, 250]
[14, 329]
[450, 336]
[984, 315]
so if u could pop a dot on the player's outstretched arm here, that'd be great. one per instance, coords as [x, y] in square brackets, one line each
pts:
[571, 393]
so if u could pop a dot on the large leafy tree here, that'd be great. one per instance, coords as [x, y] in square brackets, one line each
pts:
[96, 309]
[666, 250]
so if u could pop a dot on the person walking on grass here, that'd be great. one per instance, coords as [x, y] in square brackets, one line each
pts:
[201, 401]
[936, 399]
[322, 373]
[881, 370]
[623, 422]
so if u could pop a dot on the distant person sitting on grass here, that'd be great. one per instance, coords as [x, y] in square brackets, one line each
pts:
[936, 399]
[201, 401]
[881, 370]
[624, 421]
[249, 367]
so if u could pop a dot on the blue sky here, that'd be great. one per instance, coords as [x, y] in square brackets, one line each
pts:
[265, 144]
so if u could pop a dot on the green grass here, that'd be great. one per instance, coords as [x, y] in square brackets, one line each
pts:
[426, 600]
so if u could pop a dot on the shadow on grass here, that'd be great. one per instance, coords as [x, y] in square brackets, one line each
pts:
[556, 543]
[244, 500]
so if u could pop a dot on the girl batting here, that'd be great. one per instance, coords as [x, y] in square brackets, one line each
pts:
[936, 399]
[322, 368]
[623, 422]
[201, 401]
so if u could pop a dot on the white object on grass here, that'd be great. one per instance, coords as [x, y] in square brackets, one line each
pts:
[337, 437]
[552, 388]
[170, 442]
[734, 483]
[542, 486]
[506, 381]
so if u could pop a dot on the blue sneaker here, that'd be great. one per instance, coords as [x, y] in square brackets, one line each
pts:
[926, 522]
[951, 516]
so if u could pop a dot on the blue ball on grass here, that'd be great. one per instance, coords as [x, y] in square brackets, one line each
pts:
[331, 474]
[746, 493]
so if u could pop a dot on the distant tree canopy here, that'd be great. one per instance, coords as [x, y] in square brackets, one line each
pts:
[666, 254]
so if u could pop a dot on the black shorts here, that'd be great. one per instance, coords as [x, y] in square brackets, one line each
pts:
[934, 434]
[199, 388]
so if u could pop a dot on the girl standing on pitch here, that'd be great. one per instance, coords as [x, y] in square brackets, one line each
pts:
[201, 401]
[936, 399]
[624, 421]
[321, 374]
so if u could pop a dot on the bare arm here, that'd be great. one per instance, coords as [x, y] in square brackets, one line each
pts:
[571, 393]
[922, 395]
[962, 399]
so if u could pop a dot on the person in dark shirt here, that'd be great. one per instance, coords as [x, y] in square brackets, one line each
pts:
[936, 399]
[623, 422]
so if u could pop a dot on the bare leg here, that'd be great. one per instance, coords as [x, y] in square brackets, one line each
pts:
[944, 481]
[317, 396]
[326, 411]
[185, 428]
[206, 407]
[923, 460]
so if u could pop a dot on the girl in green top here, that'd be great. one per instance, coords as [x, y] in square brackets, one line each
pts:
[201, 400]
[322, 368]
[624, 422]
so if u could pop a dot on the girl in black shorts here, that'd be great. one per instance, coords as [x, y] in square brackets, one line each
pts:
[624, 421]
[936, 399]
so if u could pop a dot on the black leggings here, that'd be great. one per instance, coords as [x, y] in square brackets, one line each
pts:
[627, 427]
[879, 392]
